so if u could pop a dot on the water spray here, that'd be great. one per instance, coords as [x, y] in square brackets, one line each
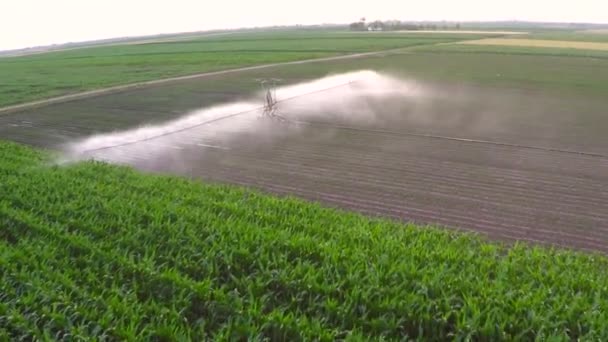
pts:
[274, 98]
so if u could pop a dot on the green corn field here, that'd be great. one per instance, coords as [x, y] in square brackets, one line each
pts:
[94, 251]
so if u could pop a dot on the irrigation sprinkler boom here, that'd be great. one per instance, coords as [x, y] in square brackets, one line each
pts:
[270, 98]
[270, 103]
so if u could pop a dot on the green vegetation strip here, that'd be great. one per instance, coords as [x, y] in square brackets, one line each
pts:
[94, 250]
[40, 76]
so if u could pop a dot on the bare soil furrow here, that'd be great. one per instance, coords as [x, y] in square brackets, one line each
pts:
[449, 211]
[565, 183]
[462, 186]
[492, 228]
[539, 216]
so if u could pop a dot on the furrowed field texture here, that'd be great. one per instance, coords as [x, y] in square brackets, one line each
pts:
[93, 251]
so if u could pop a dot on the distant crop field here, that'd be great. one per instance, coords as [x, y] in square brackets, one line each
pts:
[514, 51]
[540, 43]
[34, 77]
[580, 80]
[600, 35]
[596, 31]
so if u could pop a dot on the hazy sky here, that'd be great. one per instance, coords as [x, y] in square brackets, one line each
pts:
[40, 22]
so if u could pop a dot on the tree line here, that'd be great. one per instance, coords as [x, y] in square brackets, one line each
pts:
[397, 25]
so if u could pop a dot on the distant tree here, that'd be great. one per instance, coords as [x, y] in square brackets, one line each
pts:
[458, 26]
[392, 25]
[377, 25]
[409, 27]
[358, 26]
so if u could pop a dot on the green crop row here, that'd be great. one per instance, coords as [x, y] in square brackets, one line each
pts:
[99, 251]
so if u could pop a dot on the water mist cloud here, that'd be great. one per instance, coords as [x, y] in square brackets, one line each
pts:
[343, 96]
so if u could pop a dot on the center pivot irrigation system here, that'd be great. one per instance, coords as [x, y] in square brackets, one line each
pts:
[269, 89]
[269, 110]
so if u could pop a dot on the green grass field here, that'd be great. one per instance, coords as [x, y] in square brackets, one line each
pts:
[99, 251]
[578, 82]
[34, 77]
[51, 74]
[58, 73]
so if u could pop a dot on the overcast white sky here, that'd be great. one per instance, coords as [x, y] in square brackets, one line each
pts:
[26, 23]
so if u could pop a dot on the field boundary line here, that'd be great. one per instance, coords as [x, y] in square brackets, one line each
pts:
[138, 85]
